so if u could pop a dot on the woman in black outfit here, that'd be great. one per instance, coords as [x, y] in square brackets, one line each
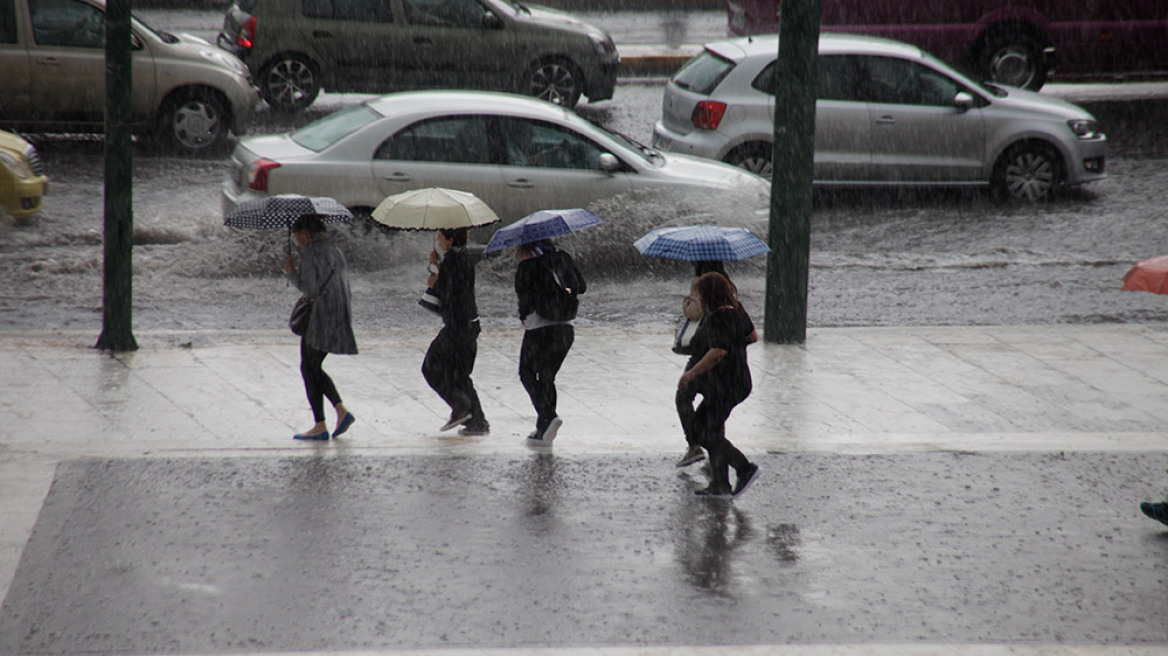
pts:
[322, 273]
[718, 371]
[451, 356]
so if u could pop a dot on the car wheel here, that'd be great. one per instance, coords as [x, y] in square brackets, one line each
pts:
[1029, 171]
[1013, 58]
[289, 83]
[195, 122]
[754, 157]
[555, 80]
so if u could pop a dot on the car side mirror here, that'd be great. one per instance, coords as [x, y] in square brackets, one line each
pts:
[491, 21]
[963, 101]
[609, 163]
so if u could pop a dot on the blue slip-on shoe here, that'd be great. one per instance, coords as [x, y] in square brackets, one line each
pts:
[345, 423]
[317, 437]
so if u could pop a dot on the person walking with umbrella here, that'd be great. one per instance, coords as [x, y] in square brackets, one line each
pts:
[718, 371]
[548, 286]
[322, 275]
[450, 359]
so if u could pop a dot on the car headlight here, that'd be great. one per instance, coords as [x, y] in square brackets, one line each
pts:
[604, 47]
[1084, 128]
[17, 165]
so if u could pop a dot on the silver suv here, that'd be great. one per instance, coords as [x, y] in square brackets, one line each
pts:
[298, 47]
[52, 77]
[887, 114]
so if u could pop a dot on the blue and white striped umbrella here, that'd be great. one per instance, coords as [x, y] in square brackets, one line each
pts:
[280, 211]
[701, 243]
[541, 225]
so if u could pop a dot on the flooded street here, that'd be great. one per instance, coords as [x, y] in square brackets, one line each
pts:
[935, 257]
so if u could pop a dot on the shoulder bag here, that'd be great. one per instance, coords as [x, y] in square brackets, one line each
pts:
[302, 311]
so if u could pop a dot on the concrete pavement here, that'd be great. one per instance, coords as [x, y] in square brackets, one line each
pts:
[227, 395]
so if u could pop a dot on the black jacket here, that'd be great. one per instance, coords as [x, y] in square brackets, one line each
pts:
[455, 286]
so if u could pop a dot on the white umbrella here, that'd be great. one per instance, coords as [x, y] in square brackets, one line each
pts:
[433, 208]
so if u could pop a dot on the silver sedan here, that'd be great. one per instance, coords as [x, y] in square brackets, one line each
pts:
[516, 153]
[887, 114]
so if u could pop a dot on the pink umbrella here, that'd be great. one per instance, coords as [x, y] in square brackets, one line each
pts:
[1150, 275]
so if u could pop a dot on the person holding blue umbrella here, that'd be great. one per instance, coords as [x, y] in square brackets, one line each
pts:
[548, 285]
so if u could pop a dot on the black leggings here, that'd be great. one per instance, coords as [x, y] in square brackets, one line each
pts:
[317, 383]
[709, 430]
[540, 358]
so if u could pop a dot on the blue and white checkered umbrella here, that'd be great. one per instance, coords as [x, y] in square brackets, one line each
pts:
[281, 211]
[541, 225]
[701, 243]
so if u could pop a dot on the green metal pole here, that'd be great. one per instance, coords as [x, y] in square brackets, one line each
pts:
[117, 295]
[789, 235]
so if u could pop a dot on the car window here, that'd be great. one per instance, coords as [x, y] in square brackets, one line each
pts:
[453, 139]
[703, 73]
[7, 21]
[446, 13]
[67, 23]
[545, 145]
[326, 131]
[838, 78]
[351, 10]
[902, 82]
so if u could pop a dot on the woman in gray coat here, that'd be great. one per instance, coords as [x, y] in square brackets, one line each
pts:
[322, 273]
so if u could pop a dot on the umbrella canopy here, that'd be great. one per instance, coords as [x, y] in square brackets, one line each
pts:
[280, 211]
[541, 225]
[701, 243]
[1150, 275]
[433, 208]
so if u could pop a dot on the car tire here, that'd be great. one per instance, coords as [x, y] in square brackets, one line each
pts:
[557, 81]
[1030, 171]
[754, 157]
[1013, 57]
[195, 122]
[289, 83]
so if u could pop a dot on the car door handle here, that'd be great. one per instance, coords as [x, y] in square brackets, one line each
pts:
[48, 61]
[322, 34]
[520, 183]
[397, 177]
[423, 41]
[886, 120]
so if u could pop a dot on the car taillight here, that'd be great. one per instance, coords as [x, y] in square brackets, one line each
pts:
[246, 36]
[778, 9]
[708, 114]
[257, 175]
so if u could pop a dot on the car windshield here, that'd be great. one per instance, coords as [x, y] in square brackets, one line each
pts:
[326, 131]
[646, 153]
[515, 6]
[703, 73]
[165, 37]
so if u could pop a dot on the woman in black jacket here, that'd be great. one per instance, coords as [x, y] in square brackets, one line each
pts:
[718, 371]
[451, 356]
[547, 283]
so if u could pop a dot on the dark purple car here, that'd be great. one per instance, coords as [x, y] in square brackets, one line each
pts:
[1014, 42]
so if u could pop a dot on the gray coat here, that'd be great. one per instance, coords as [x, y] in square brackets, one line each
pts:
[331, 327]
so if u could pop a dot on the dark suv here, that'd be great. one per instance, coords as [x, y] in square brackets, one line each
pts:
[297, 47]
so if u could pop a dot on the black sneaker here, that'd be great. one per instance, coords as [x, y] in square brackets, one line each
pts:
[472, 429]
[714, 491]
[456, 419]
[1157, 511]
[745, 478]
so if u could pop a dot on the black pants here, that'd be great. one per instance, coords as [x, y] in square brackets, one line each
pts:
[709, 431]
[317, 383]
[540, 358]
[684, 400]
[448, 365]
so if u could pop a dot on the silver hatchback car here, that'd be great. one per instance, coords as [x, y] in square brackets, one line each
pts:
[887, 113]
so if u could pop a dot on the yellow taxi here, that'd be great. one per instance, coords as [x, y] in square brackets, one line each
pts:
[22, 177]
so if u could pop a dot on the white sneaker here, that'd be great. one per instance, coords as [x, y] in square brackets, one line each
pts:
[549, 433]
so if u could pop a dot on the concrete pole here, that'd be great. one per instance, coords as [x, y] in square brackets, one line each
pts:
[117, 296]
[789, 235]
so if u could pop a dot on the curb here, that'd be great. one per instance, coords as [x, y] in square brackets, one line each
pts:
[654, 61]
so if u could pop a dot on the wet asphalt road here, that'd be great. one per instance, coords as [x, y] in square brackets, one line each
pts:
[346, 553]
